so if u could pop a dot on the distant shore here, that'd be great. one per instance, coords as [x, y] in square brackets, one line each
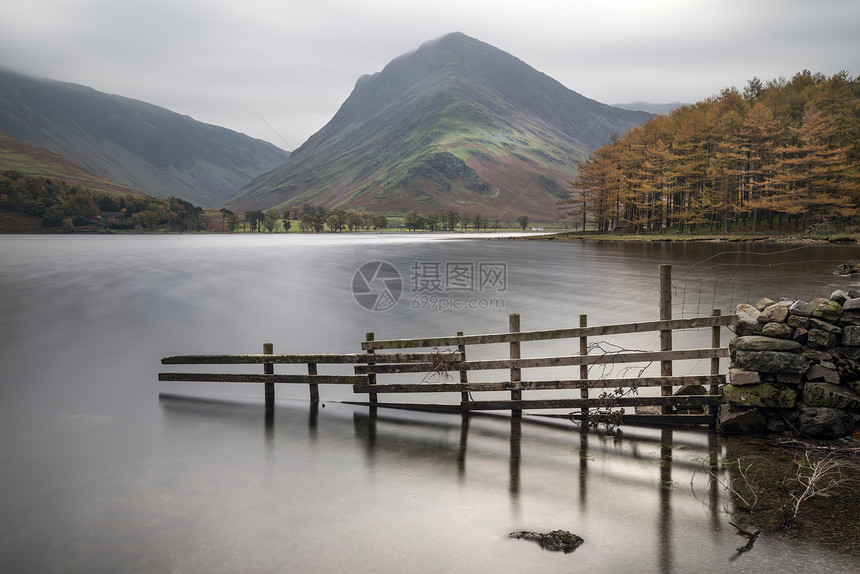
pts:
[846, 238]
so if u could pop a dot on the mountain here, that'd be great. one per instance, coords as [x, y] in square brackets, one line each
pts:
[656, 109]
[456, 124]
[36, 161]
[133, 143]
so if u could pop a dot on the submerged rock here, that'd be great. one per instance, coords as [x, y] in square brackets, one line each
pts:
[557, 540]
[823, 422]
[733, 419]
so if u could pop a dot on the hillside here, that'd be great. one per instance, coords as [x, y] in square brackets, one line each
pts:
[133, 143]
[32, 160]
[456, 124]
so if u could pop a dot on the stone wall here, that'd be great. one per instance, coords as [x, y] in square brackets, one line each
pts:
[795, 368]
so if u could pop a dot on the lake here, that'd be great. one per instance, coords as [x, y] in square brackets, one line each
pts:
[107, 470]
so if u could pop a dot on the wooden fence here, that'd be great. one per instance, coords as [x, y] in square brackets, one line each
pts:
[381, 367]
[614, 393]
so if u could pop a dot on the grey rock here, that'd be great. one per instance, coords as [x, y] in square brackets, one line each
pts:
[733, 419]
[825, 422]
[764, 303]
[747, 320]
[851, 336]
[776, 313]
[820, 373]
[815, 355]
[742, 377]
[762, 343]
[797, 321]
[831, 396]
[801, 309]
[771, 361]
[557, 540]
[839, 296]
[848, 368]
[777, 330]
[850, 317]
[824, 326]
[821, 339]
[852, 304]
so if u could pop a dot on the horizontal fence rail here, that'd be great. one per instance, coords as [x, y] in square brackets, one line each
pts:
[550, 334]
[363, 387]
[298, 359]
[250, 378]
[606, 359]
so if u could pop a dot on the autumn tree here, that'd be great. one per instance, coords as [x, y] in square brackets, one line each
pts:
[785, 150]
[413, 220]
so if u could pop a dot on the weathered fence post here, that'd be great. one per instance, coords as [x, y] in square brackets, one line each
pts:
[371, 378]
[269, 369]
[666, 335]
[313, 388]
[464, 395]
[583, 369]
[715, 362]
[516, 392]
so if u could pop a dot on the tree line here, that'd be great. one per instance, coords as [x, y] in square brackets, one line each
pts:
[67, 207]
[782, 154]
[72, 207]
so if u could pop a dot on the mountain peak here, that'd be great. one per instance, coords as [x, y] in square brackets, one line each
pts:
[454, 123]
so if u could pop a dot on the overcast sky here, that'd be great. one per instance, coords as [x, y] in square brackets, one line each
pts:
[279, 69]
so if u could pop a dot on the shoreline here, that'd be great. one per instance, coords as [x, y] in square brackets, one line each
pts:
[836, 239]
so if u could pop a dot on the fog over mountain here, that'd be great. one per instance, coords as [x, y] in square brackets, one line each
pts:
[133, 143]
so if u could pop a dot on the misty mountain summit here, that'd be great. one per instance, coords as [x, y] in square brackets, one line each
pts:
[456, 124]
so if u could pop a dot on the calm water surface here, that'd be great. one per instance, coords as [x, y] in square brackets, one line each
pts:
[106, 470]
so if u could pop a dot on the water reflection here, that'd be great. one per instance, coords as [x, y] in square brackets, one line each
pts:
[674, 475]
[388, 438]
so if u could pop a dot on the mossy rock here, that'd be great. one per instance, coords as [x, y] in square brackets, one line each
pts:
[761, 395]
[831, 396]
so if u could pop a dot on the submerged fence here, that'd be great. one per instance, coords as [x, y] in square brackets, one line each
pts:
[383, 366]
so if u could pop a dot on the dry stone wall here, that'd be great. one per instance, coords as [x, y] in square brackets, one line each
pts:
[795, 368]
